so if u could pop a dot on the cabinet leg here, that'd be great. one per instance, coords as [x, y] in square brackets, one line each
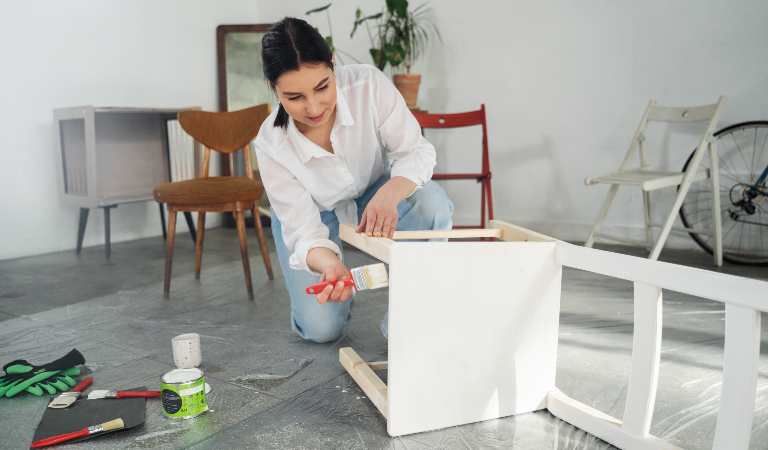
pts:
[162, 220]
[190, 225]
[107, 232]
[81, 228]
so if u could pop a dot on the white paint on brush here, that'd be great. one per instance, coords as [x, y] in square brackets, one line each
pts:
[373, 276]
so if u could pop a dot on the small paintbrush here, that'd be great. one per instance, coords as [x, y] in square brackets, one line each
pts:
[106, 393]
[116, 424]
[362, 278]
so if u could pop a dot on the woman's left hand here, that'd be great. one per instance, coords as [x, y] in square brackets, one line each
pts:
[380, 216]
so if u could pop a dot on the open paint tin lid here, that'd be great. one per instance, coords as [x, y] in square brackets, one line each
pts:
[180, 376]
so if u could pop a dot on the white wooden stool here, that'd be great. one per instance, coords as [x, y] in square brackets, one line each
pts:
[473, 329]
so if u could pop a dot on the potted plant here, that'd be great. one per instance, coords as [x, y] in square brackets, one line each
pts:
[398, 38]
[337, 52]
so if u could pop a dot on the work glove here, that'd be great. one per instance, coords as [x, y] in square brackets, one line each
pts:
[55, 376]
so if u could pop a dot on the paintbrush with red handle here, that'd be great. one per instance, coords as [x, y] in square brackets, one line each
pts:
[115, 424]
[105, 393]
[373, 276]
[65, 399]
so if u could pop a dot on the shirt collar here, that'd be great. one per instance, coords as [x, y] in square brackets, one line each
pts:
[343, 114]
[305, 148]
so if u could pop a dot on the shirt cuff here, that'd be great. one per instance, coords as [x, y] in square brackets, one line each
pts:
[298, 260]
[410, 173]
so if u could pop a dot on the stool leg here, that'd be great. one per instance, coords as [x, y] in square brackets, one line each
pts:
[240, 220]
[169, 251]
[81, 228]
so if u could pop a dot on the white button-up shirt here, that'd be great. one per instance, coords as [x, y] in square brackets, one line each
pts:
[374, 133]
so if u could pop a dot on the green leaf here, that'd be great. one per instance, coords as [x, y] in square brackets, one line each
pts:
[398, 8]
[371, 17]
[329, 42]
[316, 10]
[394, 54]
[378, 58]
[361, 20]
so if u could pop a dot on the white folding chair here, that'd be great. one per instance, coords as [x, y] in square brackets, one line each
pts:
[650, 180]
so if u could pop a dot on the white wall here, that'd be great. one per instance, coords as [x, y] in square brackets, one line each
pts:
[564, 85]
[109, 53]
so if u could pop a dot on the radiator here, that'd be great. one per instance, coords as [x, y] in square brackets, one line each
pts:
[184, 158]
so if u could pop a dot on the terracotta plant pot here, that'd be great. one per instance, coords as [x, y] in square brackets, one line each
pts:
[408, 85]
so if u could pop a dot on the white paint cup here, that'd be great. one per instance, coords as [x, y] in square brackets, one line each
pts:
[186, 350]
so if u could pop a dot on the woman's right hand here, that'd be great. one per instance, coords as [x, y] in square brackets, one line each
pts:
[325, 261]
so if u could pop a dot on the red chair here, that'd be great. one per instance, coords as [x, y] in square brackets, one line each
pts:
[457, 120]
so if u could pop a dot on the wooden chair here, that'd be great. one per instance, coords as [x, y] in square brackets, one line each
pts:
[226, 133]
[649, 179]
[465, 119]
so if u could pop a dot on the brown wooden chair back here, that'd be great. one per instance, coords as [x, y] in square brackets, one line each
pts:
[225, 132]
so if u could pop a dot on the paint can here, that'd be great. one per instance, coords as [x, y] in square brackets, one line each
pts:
[182, 392]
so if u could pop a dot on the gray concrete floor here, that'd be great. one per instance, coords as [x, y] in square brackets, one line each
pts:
[271, 390]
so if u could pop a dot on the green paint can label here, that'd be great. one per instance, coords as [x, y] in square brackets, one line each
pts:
[182, 393]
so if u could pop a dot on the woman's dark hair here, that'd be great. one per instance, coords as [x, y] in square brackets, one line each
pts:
[287, 45]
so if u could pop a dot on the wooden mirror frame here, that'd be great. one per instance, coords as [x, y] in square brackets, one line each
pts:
[221, 61]
[221, 55]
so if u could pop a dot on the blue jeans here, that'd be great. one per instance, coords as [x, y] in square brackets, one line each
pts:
[429, 208]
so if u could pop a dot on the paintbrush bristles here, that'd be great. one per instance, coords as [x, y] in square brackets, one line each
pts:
[373, 276]
[97, 394]
[115, 424]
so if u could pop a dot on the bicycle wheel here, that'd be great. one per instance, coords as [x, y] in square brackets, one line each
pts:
[742, 156]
